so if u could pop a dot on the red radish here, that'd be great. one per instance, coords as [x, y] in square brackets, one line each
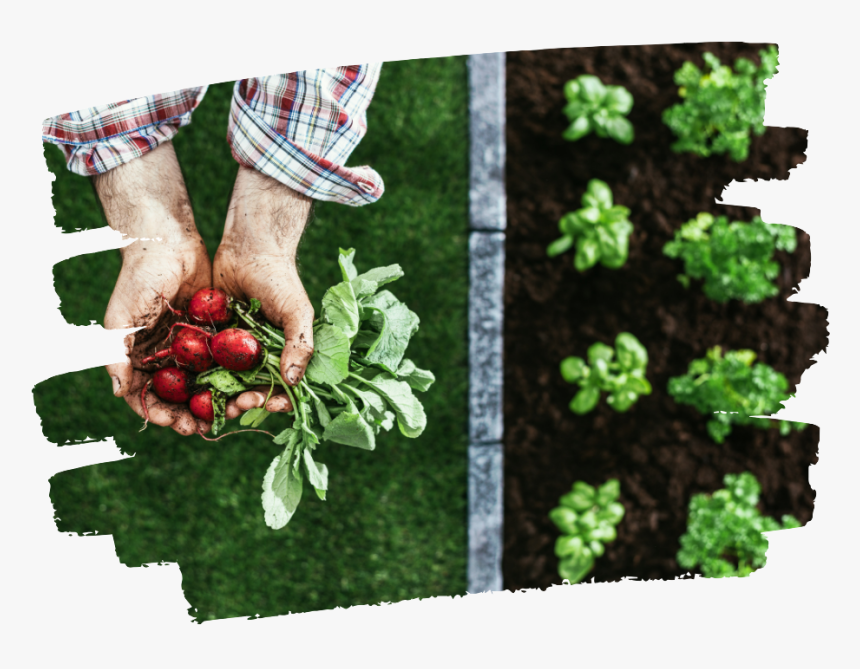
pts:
[201, 406]
[172, 384]
[209, 306]
[236, 349]
[190, 348]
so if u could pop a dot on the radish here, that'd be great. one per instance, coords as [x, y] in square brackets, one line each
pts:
[209, 306]
[172, 385]
[236, 349]
[190, 349]
[201, 406]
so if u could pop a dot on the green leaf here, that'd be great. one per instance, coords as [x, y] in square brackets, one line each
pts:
[330, 361]
[575, 567]
[254, 417]
[290, 437]
[255, 306]
[347, 268]
[418, 379]
[340, 308]
[568, 545]
[365, 339]
[222, 380]
[571, 90]
[597, 194]
[585, 400]
[573, 369]
[608, 492]
[580, 127]
[630, 352]
[599, 351]
[618, 99]
[619, 129]
[219, 409]
[350, 429]
[282, 491]
[564, 519]
[559, 246]
[317, 472]
[591, 88]
[323, 414]
[411, 418]
[368, 283]
[587, 253]
[396, 329]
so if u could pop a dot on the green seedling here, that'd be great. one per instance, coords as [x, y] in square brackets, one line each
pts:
[620, 372]
[587, 520]
[735, 260]
[724, 530]
[600, 230]
[732, 389]
[721, 107]
[593, 107]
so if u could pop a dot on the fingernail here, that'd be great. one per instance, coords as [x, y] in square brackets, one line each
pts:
[294, 374]
[259, 398]
[115, 380]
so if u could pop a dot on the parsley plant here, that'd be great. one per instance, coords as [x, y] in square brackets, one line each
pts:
[721, 107]
[624, 377]
[587, 520]
[735, 260]
[600, 229]
[733, 389]
[724, 530]
[591, 106]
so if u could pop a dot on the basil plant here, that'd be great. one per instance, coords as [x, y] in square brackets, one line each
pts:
[621, 372]
[600, 230]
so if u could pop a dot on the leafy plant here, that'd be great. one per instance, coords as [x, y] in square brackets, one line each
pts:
[601, 230]
[587, 520]
[721, 107]
[724, 530]
[357, 383]
[735, 260]
[733, 390]
[624, 377]
[591, 106]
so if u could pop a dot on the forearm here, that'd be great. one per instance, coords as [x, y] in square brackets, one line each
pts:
[266, 218]
[146, 198]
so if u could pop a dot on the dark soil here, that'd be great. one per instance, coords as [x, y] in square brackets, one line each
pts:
[660, 451]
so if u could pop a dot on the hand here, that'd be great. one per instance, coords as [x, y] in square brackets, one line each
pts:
[257, 258]
[146, 198]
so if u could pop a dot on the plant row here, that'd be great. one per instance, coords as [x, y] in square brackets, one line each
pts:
[733, 260]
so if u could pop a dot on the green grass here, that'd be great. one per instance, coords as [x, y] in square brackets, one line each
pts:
[394, 524]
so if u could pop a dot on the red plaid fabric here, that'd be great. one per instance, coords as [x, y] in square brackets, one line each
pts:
[297, 128]
[97, 139]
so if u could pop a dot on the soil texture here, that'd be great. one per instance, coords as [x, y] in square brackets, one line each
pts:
[660, 451]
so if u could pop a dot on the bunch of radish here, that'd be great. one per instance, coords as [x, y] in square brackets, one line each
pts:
[195, 349]
[358, 382]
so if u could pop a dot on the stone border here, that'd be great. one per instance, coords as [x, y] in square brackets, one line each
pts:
[487, 221]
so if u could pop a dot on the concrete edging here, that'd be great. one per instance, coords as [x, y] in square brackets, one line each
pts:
[487, 222]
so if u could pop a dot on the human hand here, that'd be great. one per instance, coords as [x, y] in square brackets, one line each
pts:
[146, 198]
[257, 259]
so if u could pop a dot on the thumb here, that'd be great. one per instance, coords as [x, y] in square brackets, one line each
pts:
[121, 373]
[299, 347]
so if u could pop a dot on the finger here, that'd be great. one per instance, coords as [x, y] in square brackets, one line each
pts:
[232, 411]
[122, 373]
[185, 423]
[203, 426]
[299, 346]
[279, 404]
[250, 399]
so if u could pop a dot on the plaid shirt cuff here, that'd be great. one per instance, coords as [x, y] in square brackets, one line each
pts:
[97, 139]
[301, 128]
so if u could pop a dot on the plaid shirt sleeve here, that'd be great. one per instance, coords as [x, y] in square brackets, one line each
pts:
[301, 128]
[298, 128]
[97, 139]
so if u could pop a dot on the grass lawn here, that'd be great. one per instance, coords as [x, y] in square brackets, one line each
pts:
[394, 524]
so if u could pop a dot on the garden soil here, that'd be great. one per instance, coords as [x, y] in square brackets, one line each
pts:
[659, 450]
